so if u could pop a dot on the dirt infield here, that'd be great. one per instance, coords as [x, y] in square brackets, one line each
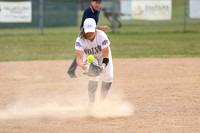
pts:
[147, 96]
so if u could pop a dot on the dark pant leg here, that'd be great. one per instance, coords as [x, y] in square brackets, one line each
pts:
[105, 87]
[92, 87]
[73, 67]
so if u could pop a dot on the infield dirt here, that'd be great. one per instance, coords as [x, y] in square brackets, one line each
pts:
[147, 96]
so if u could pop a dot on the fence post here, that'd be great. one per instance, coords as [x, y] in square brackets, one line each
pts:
[185, 15]
[41, 15]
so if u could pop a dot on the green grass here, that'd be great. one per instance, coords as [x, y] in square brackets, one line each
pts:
[136, 39]
[58, 46]
[160, 45]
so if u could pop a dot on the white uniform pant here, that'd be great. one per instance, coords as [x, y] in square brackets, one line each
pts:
[107, 74]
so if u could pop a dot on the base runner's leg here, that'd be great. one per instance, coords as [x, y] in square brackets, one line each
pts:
[105, 87]
[92, 87]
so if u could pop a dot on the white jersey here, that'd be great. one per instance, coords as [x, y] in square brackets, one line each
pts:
[95, 47]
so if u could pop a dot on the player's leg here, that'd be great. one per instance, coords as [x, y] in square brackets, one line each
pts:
[107, 76]
[105, 87]
[92, 88]
[92, 83]
[72, 68]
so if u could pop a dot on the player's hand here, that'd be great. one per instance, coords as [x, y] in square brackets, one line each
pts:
[94, 70]
[101, 68]
[105, 28]
[83, 66]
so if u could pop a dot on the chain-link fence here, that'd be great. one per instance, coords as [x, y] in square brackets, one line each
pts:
[51, 12]
[69, 12]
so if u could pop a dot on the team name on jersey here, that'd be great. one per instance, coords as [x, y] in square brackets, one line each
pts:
[94, 50]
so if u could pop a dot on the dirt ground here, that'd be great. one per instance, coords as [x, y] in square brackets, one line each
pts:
[147, 96]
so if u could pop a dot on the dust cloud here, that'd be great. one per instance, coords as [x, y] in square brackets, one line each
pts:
[66, 106]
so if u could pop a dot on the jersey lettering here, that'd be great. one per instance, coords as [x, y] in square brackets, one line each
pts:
[94, 50]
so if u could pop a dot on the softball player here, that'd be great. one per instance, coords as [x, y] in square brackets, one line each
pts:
[92, 11]
[95, 42]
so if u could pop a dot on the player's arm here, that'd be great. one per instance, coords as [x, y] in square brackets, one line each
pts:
[105, 55]
[80, 63]
[103, 28]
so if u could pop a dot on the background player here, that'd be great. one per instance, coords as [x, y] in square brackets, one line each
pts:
[95, 42]
[92, 11]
